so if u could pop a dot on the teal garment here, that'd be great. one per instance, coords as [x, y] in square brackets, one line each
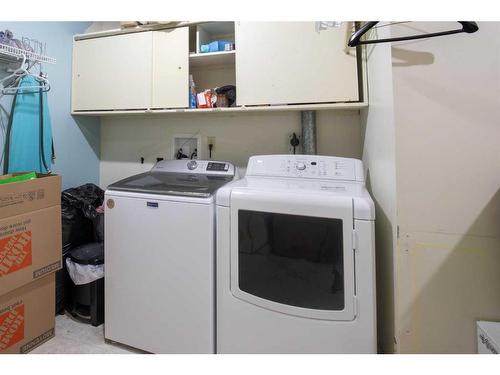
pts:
[24, 149]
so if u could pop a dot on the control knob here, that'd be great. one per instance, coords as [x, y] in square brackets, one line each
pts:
[192, 165]
[301, 166]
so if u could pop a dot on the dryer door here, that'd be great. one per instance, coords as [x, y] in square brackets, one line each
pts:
[293, 253]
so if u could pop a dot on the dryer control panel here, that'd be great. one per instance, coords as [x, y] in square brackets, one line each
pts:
[306, 166]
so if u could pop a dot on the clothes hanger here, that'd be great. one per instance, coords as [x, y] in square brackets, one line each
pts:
[355, 39]
[18, 74]
[26, 89]
[17, 89]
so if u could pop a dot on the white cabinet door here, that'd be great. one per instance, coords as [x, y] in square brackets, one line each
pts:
[292, 63]
[171, 68]
[112, 72]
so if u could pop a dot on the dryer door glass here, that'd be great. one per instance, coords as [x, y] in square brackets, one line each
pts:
[292, 260]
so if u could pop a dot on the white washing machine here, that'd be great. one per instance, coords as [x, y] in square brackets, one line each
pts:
[295, 258]
[159, 251]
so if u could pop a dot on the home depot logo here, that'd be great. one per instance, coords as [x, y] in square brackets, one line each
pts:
[11, 327]
[15, 252]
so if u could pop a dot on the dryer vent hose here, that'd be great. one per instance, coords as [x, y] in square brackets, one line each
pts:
[308, 125]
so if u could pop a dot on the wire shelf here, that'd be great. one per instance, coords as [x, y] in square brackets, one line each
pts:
[18, 53]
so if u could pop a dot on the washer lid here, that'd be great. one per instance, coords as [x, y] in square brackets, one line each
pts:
[165, 183]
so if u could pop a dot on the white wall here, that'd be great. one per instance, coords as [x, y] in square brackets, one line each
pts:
[447, 111]
[102, 26]
[431, 145]
[379, 161]
[124, 140]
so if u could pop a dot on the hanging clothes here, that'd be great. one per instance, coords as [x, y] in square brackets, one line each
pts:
[28, 145]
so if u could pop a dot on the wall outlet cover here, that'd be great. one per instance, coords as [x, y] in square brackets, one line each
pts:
[190, 144]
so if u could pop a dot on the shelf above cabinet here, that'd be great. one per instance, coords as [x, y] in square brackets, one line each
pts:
[198, 60]
[296, 107]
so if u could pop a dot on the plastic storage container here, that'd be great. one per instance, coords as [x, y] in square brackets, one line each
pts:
[216, 46]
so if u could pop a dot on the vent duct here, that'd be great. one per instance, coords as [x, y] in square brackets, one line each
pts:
[308, 125]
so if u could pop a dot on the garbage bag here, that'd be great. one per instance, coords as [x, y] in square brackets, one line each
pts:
[76, 229]
[98, 223]
[84, 273]
[87, 198]
[85, 263]
[80, 208]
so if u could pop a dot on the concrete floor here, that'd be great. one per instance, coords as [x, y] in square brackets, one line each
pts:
[74, 337]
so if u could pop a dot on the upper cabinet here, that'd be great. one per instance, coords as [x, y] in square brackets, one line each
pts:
[294, 62]
[131, 71]
[274, 66]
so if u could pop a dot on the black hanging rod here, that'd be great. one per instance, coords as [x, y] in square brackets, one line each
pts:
[355, 39]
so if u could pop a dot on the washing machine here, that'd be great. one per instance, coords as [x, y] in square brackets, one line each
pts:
[295, 258]
[159, 257]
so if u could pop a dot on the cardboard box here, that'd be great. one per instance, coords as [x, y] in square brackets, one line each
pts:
[27, 316]
[30, 231]
[488, 337]
[21, 197]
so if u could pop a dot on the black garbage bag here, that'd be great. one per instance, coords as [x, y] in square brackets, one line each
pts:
[76, 228]
[80, 218]
[86, 198]
[98, 224]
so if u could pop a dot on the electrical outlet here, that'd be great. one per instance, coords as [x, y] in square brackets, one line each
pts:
[211, 141]
[211, 146]
[298, 149]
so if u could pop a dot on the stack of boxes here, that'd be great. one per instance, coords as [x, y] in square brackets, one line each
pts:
[30, 253]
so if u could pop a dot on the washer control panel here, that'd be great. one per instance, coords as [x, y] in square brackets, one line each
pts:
[207, 167]
[217, 166]
[306, 166]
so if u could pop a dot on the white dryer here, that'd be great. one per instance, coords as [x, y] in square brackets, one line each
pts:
[295, 258]
[159, 251]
